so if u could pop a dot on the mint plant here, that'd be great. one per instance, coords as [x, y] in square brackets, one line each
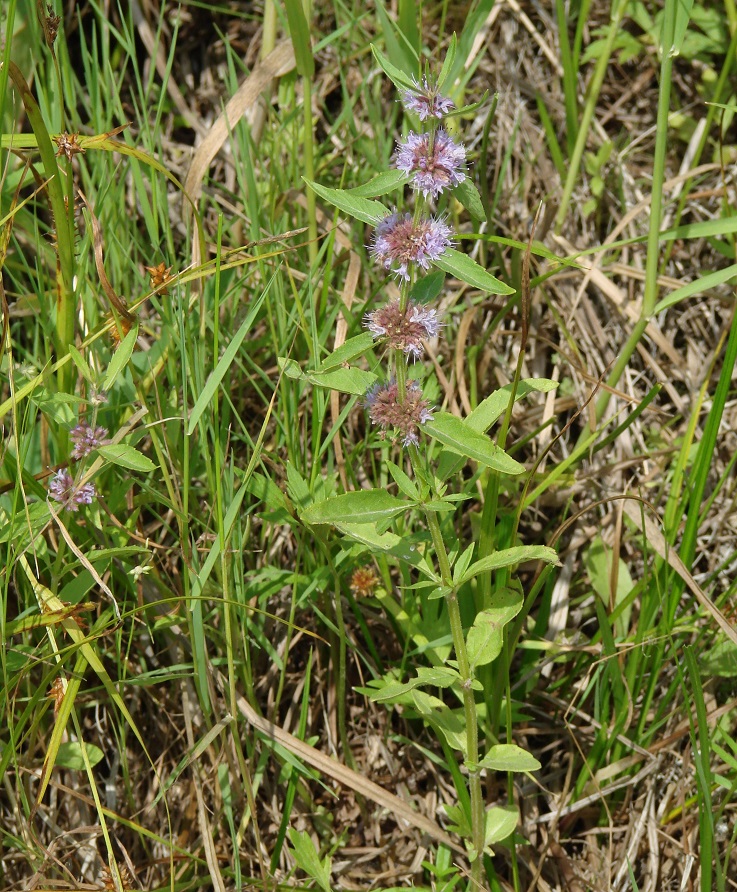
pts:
[430, 448]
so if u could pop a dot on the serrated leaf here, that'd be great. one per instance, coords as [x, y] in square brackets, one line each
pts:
[463, 439]
[469, 197]
[467, 270]
[364, 506]
[364, 209]
[351, 380]
[352, 348]
[507, 557]
[509, 757]
[120, 358]
[484, 640]
[388, 181]
[127, 457]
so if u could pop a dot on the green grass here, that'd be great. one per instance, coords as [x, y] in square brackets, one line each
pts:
[195, 689]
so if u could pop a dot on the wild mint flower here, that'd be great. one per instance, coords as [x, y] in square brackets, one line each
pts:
[71, 495]
[86, 439]
[425, 100]
[399, 241]
[404, 329]
[385, 409]
[435, 161]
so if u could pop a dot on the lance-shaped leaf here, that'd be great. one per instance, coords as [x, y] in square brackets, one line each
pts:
[467, 270]
[507, 557]
[364, 506]
[388, 181]
[361, 208]
[463, 439]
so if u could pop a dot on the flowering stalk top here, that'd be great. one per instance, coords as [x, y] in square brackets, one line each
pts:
[425, 101]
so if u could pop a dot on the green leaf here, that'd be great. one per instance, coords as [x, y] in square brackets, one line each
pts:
[364, 209]
[81, 363]
[493, 407]
[225, 362]
[400, 79]
[461, 438]
[598, 560]
[484, 640]
[428, 287]
[467, 270]
[507, 557]
[352, 348]
[299, 31]
[450, 56]
[443, 719]
[390, 691]
[308, 858]
[352, 380]
[469, 197]
[127, 457]
[458, 821]
[509, 757]
[500, 823]
[364, 506]
[436, 676]
[290, 367]
[367, 534]
[388, 181]
[705, 283]
[462, 564]
[120, 358]
[406, 484]
[70, 755]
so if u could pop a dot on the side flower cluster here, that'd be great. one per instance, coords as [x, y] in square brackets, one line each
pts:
[407, 243]
[64, 488]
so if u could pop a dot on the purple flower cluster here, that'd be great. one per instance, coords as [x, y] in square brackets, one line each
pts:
[404, 329]
[400, 240]
[389, 411]
[86, 439]
[69, 494]
[66, 489]
[425, 101]
[435, 163]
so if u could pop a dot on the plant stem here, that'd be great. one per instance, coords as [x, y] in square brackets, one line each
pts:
[469, 701]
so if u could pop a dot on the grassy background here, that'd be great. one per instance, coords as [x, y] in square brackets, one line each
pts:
[154, 740]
